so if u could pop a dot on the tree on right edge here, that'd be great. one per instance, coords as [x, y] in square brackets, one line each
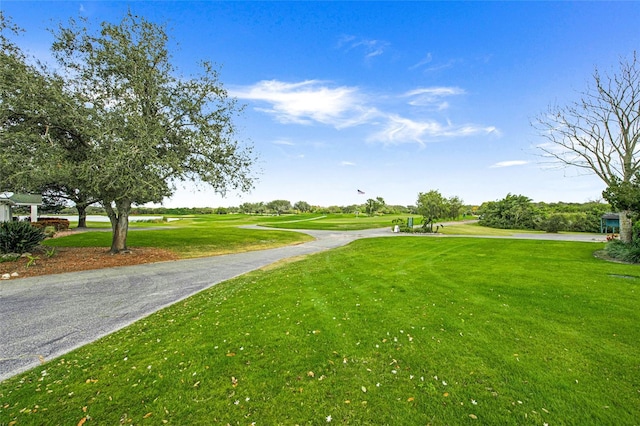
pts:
[600, 132]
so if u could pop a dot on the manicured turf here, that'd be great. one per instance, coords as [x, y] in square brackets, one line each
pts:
[334, 222]
[383, 331]
[204, 235]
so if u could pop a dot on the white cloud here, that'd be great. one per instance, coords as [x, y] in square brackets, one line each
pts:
[432, 96]
[283, 142]
[510, 163]
[371, 47]
[314, 101]
[427, 65]
[401, 130]
[427, 59]
[307, 102]
[347, 163]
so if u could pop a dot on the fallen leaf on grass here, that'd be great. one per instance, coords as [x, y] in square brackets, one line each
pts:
[445, 394]
[82, 421]
[473, 416]
[146, 416]
[234, 381]
[231, 354]
[411, 399]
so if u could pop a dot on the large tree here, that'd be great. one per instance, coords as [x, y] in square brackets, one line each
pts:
[432, 206]
[512, 212]
[279, 206]
[600, 132]
[374, 205]
[41, 139]
[149, 128]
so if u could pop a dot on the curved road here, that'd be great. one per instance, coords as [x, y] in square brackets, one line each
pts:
[44, 317]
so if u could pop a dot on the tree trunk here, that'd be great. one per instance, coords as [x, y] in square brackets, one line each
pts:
[625, 226]
[82, 215]
[119, 225]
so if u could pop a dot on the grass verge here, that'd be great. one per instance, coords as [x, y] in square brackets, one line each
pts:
[383, 331]
[190, 240]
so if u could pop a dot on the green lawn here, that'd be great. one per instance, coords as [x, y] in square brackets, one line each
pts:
[383, 331]
[192, 236]
[333, 222]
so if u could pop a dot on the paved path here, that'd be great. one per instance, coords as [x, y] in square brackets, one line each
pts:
[45, 317]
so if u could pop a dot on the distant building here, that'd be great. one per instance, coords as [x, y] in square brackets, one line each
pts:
[610, 222]
[8, 200]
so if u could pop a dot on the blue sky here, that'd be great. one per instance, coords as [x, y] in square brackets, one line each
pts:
[392, 98]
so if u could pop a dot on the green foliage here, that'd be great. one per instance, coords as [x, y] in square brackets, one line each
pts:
[626, 252]
[600, 133]
[397, 331]
[9, 257]
[519, 212]
[279, 206]
[512, 212]
[118, 124]
[553, 224]
[433, 206]
[302, 207]
[19, 237]
[402, 225]
[372, 206]
[31, 260]
[624, 196]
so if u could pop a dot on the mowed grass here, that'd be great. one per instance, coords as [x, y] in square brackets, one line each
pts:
[473, 229]
[391, 331]
[197, 236]
[332, 222]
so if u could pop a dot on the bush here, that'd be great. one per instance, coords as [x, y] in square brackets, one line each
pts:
[554, 224]
[627, 252]
[19, 237]
[57, 223]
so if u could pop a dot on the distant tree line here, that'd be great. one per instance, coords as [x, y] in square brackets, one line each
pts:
[519, 212]
[511, 212]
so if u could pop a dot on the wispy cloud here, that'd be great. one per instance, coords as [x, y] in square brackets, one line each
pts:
[402, 130]
[426, 64]
[347, 163]
[426, 60]
[432, 96]
[320, 102]
[371, 47]
[283, 142]
[511, 163]
[307, 102]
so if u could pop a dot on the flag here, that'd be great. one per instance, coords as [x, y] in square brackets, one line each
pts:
[360, 192]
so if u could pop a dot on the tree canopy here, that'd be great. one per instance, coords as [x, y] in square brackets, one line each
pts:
[133, 127]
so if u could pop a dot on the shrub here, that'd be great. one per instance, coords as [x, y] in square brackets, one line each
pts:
[57, 223]
[19, 237]
[627, 252]
[553, 224]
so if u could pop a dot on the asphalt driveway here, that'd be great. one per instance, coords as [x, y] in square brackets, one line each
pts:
[44, 317]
